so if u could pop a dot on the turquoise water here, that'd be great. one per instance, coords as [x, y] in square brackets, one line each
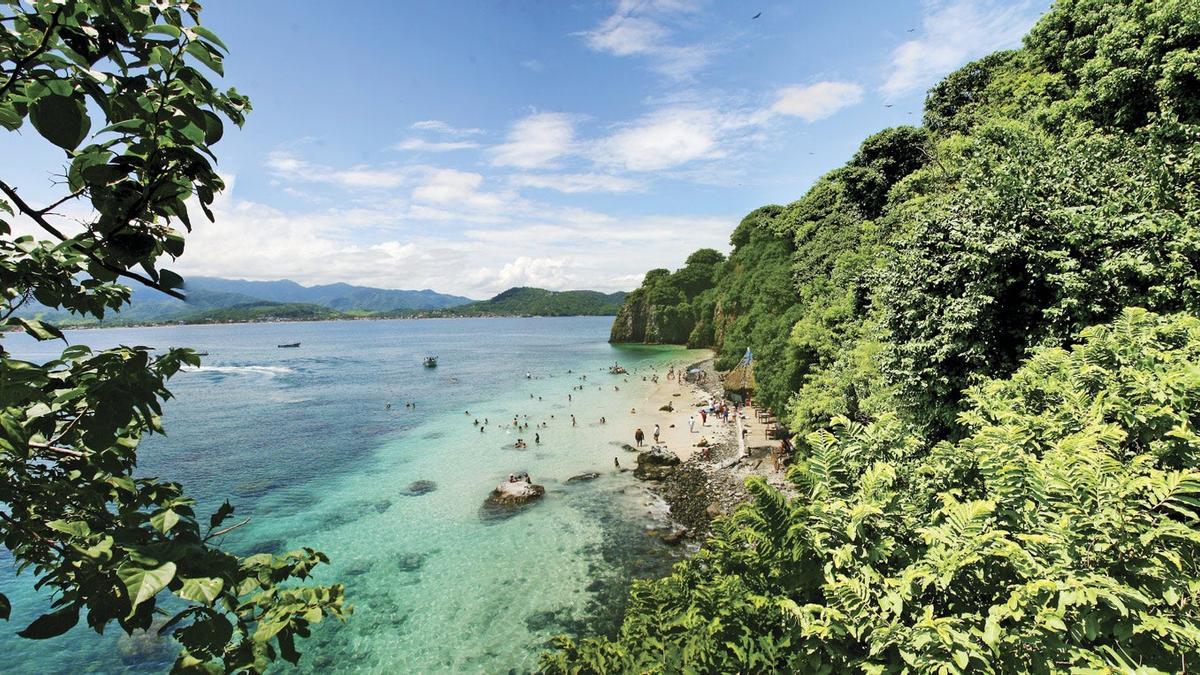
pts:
[302, 441]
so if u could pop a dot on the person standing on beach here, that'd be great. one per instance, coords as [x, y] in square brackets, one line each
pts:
[656, 432]
[572, 420]
[639, 436]
[703, 417]
[692, 424]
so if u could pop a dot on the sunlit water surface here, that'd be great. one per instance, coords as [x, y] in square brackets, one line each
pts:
[302, 441]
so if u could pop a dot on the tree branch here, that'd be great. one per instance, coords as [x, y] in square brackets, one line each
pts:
[12, 78]
[40, 219]
[56, 448]
[227, 530]
[60, 202]
[67, 428]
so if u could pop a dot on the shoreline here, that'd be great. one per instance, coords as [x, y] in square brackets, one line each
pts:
[702, 486]
[176, 324]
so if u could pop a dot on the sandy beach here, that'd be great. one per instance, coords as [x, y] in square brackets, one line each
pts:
[685, 399]
[705, 484]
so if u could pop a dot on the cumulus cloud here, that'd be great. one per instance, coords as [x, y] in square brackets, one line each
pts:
[394, 243]
[438, 126]
[572, 183]
[666, 139]
[286, 165]
[638, 28]
[422, 145]
[816, 101]
[536, 141]
[952, 34]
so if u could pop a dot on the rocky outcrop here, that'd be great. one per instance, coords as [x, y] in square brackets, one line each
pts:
[655, 464]
[590, 475]
[509, 498]
[630, 324]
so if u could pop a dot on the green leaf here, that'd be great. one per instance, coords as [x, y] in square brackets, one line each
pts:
[9, 117]
[41, 330]
[142, 584]
[204, 55]
[163, 521]
[164, 29]
[5, 607]
[213, 128]
[62, 120]
[76, 528]
[52, 624]
[210, 36]
[201, 589]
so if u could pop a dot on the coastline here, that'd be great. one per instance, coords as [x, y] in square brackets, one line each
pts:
[704, 485]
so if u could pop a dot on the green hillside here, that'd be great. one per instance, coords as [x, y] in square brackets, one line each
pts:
[540, 302]
[981, 330]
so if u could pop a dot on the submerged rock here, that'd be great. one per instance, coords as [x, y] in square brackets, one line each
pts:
[656, 463]
[628, 448]
[410, 562]
[420, 487]
[590, 475]
[508, 499]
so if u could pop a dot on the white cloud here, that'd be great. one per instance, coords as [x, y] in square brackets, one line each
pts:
[954, 33]
[572, 183]
[536, 141]
[438, 126]
[285, 165]
[637, 28]
[422, 145]
[664, 139]
[394, 244]
[816, 101]
[534, 65]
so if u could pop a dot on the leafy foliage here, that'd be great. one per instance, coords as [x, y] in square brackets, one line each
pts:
[1062, 532]
[107, 544]
[971, 508]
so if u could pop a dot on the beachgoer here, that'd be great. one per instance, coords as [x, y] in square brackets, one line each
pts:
[616, 462]
[387, 407]
[703, 417]
[537, 438]
[692, 424]
[602, 420]
[639, 436]
[656, 432]
[572, 420]
[633, 411]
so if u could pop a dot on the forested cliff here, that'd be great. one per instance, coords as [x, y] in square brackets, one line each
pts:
[982, 330]
[1047, 188]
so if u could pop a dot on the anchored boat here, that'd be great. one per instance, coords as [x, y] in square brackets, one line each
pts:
[292, 345]
[431, 361]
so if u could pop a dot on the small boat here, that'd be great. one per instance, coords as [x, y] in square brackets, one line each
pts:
[292, 345]
[431, 362]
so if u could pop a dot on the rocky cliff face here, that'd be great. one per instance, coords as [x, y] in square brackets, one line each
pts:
[630, 324]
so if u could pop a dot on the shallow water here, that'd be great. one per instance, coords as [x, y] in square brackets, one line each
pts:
[302, 441]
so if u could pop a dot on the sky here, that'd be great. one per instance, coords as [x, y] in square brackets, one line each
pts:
[469, 147]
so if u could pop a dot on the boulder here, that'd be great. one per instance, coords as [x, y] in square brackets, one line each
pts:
[508, 499]
[590, 475]
[655, 463]
[714, 510]
[675, 536]
[628, 448]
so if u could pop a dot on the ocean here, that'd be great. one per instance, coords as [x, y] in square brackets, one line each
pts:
[319, 445]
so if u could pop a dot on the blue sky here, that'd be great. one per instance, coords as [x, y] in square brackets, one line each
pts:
[473, 146]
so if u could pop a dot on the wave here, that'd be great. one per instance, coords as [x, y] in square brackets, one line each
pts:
[269, 371]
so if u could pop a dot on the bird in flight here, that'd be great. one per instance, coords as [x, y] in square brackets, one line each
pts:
[756, 15]
[912, 30]
[888, 105]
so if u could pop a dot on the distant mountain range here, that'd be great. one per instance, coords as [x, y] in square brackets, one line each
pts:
[215, 300]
